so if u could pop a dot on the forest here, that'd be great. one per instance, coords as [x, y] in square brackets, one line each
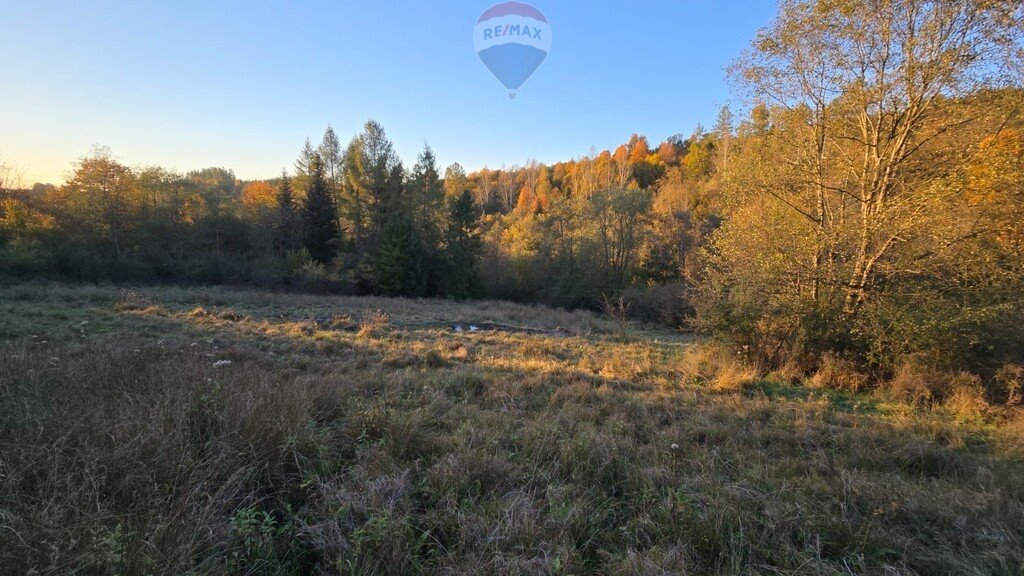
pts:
[863, 211]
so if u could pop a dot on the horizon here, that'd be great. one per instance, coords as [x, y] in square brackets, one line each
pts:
[248, 84]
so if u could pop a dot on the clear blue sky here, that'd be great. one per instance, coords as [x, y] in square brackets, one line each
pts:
[188, 84]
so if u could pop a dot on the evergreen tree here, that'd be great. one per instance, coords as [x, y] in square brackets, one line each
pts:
[330, 153]
[426, 195]
[385, 176]
[463, 246]
[287, 217]
[425, 207]
[354, 198]
[376, 207]
[302, 166]
[399, 263]
[372, 189]
[319, 214]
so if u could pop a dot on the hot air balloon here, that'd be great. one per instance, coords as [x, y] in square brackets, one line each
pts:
[512, 39]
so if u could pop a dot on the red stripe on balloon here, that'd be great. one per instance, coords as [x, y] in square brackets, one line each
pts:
[512, 8]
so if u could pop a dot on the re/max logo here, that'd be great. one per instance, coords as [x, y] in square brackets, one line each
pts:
[511, 30]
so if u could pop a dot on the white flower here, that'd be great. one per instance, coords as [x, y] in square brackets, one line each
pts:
[675, 446]
[220, 363]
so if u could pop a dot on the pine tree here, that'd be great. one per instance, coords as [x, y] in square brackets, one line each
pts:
[424, 206]
[462, 248]
[399, 263]
[287, 218]
[426, 192]
[372, 187]
[302, 166]
[319, 214]
[354, 198]
[330, 153]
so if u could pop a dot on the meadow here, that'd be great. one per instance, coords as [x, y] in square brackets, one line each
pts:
[212, 430]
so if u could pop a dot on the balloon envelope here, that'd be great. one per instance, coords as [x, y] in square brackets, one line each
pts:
[512, 40]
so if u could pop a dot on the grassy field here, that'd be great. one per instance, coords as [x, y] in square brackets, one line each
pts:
[170, 431]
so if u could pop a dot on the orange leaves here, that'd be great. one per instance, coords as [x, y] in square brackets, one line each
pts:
[998, 170]
[258, 195]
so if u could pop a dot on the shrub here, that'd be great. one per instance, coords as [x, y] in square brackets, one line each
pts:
[718, 367]
[314, 277]
[917, 382]
[1009, 385]
[966, 396]
[838, 373]
[373, 324]
[663, 304]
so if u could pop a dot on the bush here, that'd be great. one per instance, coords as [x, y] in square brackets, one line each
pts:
[1008, 385]
[966, 396]
[838, 373]
[917, 382]
[663, 304]
[717, 366]
[315, 278]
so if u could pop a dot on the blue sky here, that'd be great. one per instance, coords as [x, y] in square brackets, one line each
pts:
[188, 84]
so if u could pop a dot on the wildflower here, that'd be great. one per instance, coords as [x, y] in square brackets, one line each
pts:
[220, 363]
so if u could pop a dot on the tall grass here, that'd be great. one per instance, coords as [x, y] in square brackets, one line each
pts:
[128, 446]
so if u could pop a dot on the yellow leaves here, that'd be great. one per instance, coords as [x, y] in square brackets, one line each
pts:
[697, 162]
[995, 185]
[522, 237]
[998, 169]
[20, 220]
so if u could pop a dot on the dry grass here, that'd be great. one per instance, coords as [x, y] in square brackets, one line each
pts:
[721, 368]
[838, 374]
[168, 431]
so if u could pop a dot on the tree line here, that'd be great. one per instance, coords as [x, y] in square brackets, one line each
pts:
[349, 221]
[866, 206]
